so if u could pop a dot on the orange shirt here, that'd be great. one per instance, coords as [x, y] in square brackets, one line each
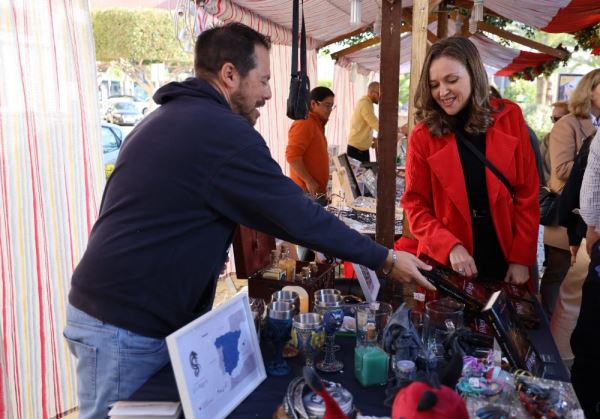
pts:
[306, 141]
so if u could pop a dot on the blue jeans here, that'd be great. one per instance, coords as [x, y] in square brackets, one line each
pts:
[112, 363]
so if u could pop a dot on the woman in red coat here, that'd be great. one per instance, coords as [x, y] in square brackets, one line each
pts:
[462, 213]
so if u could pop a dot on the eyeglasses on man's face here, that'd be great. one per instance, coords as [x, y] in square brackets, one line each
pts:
[329, 106]
[555, 118]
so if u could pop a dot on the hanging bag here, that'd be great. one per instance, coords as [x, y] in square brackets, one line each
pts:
[298, 100]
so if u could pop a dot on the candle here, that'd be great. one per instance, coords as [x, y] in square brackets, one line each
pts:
[371, 365]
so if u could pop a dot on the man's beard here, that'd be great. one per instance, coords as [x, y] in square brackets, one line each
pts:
[241, 106]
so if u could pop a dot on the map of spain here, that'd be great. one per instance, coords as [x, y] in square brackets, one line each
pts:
[227, 344]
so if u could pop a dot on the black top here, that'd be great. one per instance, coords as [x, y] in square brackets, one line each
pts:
[186, 176]
[491, 263]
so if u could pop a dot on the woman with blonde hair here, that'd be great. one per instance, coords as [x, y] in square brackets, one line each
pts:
[482, 221]
[567, 259]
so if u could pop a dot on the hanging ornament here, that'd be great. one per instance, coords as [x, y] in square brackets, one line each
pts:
[377, 24]
[476, 15]
[355, 12]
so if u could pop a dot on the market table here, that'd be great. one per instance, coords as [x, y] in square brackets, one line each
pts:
[265, 399]
[269, 394]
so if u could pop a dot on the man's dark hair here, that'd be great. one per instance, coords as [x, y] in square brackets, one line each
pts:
[320, 93]
[232, 43]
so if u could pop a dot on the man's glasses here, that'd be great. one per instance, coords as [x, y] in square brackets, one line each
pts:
[555, 118]
[330, 106]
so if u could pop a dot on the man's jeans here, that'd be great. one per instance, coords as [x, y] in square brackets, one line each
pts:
[112, 363]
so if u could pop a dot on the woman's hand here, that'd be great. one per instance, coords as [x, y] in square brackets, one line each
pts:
[462, 262]
[573, 250]
[517, 274]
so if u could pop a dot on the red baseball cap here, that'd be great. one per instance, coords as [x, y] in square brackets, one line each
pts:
[449, 404]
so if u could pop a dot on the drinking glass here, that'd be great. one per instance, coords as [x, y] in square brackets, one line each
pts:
[277, 331]
[308, 335]
[330, 307]
[292, 297]
[442, 318]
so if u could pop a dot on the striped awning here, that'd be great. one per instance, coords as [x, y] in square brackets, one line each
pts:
[328, 19]
[498, 59]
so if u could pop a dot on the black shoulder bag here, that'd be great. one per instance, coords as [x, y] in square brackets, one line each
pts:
[298, 100]
[488, 164]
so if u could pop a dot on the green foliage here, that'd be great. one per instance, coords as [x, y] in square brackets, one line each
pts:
[403, 89]
[139, 36]
[349, 41]
[325, 83]
[521, 91]
[538, 118]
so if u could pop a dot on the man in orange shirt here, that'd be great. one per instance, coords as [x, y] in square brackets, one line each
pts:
[306, 151]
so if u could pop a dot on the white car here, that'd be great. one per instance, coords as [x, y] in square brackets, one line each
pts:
[112, 139]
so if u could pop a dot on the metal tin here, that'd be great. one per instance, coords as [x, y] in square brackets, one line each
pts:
[315, 405]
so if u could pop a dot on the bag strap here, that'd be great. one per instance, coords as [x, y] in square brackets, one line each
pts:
[488, 164]
[295, 13]
[294, 67]
[303, 44]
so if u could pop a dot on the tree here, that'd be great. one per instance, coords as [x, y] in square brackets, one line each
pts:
[130, 40]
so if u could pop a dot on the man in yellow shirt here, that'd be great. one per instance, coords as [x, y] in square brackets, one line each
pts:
[362, 124]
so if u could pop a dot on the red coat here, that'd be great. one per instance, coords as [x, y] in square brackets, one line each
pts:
[435, 197]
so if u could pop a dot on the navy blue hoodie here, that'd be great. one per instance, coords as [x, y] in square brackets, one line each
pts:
[186, 176]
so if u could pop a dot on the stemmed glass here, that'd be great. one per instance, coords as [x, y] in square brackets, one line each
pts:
[308, 335]
[330, 307]
[328, 291]
[292, 297]
[277, 331]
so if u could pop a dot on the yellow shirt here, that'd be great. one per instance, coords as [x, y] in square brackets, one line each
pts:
[362, 124]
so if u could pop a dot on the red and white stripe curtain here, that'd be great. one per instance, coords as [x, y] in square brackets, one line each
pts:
[51, 178]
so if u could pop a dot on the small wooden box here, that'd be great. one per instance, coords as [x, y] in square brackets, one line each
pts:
[252, 251]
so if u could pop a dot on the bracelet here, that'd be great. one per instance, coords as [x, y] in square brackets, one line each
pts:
[394, 259]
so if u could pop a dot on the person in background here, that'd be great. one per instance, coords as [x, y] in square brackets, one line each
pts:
[461, 213]
[566, 138]
[559, 109]
[585, 100]
[187, 176]
[362, 124]
[586, 364]
[306, 150]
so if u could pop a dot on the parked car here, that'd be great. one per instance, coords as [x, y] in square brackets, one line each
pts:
[122, 112]
[143, 105]
[112, 139]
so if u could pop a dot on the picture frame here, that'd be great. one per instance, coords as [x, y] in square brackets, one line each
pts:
[566, 86]
[217, 360]
[369, 282]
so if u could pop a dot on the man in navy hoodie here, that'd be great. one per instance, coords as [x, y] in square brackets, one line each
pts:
[188, 174]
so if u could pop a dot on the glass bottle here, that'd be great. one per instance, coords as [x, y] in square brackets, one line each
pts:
[274, 271]
[287, 264]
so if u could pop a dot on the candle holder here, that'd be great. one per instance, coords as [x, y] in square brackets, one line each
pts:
[308, 335]
[330, 307]
[277, 331]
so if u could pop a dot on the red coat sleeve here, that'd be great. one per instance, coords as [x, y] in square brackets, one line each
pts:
[527, 208]
[434, 238]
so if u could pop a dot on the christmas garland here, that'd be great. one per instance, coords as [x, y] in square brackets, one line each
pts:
[589, 38]
[547, 68]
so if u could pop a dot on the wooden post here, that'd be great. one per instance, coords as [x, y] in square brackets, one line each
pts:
[442, 28]
[388, 121]
[419, 49]
[388, 131]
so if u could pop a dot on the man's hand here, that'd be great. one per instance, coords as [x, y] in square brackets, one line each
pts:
[312, 187]
[462, 262]
[406, 269]
[517, 274]
[591, 238]
[573, 250]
